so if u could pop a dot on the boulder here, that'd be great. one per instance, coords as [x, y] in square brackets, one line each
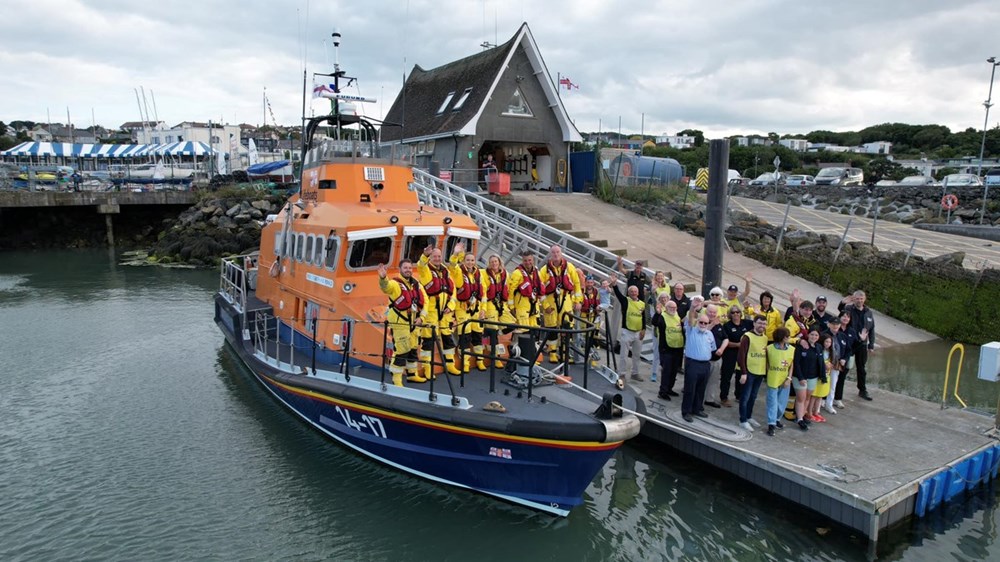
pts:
[233, 211]
[226, 223]
[954, 258]
[261, 205]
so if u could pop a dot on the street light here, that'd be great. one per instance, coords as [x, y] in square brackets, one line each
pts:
[982, 147]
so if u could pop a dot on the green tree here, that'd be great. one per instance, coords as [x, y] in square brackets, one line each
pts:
[3, 129]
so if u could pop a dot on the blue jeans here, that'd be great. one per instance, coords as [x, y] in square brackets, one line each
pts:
[749, 396]
[656, 359]
[695, 379]
[777, 399]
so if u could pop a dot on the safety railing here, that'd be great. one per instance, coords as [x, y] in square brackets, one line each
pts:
[958, 376]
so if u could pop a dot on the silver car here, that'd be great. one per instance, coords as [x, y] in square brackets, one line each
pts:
[962, 180]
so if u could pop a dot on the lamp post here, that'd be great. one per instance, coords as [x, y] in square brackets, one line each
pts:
[982, 147]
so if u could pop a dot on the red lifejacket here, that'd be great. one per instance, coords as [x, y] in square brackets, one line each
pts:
[439, 283]
[591, 300]
[409, 297]
[558, 280]
[531, 284]
[470, 286]
[498, 286]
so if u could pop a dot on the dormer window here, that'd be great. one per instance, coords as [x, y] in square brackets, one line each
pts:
[517, 105]
[447, 100]
[461, 100]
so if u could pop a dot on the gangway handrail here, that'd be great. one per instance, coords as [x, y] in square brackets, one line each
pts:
[536, 234]
[958, 376]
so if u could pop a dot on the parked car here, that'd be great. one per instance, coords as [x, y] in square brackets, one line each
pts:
[916, 181]
[992, 177]
[800, 180]
[768, 178]
[885, 183]
[962, 180]
[843, 177]
[739, 182]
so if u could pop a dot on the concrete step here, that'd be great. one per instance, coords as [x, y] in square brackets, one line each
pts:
[599, 243]
[581, 234]
[622, 252]
[563, 226]
[546, 218]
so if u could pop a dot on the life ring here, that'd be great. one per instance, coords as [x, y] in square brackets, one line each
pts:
[949, 202]
[275, 268]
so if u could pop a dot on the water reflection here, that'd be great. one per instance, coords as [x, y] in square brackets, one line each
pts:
[918, 370]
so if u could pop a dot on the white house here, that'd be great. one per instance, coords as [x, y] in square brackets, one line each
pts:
[879, 147]
[223, 137]
[676, 141]
[798, 145]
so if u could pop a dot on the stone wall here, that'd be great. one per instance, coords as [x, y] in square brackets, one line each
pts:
[215, 228]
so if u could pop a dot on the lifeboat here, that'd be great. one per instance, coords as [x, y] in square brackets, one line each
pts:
[306, 315]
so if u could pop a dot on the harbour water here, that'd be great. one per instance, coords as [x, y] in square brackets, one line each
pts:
[129, 431]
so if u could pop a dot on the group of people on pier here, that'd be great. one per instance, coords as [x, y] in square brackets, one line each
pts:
[729, 342]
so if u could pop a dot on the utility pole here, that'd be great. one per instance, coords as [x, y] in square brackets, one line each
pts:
[715, 214]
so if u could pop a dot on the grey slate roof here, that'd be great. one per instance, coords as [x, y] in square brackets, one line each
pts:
[425, 90]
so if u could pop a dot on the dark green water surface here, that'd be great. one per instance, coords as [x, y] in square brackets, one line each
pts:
[128, 431]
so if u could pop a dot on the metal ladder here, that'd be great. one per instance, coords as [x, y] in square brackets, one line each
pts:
[507, 233]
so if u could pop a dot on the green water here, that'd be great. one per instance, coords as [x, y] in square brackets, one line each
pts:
[128, 431]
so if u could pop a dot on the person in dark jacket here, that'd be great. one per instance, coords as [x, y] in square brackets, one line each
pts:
[864, 326]
[732, 330]
[845, 338]
[809, 370]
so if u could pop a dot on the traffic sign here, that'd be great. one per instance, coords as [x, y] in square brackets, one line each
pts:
[777, 161]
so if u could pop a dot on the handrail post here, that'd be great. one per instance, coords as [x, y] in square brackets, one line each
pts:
[958, 376]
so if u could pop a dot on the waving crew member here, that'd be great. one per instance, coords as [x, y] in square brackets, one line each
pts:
[561, 294]
[469, 295]
[407, 309]
[433, 275]
[496, 307]
[524, 288]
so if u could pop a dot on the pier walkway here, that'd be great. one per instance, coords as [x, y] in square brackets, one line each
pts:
[870, 466]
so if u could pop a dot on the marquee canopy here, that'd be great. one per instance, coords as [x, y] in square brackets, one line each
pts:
[69, 150]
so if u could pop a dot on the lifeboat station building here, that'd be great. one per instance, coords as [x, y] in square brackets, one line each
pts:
[495, 111]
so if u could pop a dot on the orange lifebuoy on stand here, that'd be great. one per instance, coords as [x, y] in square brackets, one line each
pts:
[949, 202]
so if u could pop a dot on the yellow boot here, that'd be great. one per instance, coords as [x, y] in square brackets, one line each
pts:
[480, 362]
[553, 355]
[467, 363]
[499, 351]
[451, 363]
[412, 376]
[397, 379]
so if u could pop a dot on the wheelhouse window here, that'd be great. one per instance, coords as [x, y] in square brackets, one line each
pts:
[332, 249]
[414, 246]
[308, 254]
[300, 242]
[369, 254]
[277, 243]
[317, 259]
[470, 244]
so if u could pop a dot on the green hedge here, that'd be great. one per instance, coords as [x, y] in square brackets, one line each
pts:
[956, 305]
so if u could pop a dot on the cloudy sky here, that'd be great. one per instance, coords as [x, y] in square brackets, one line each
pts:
[722, 66]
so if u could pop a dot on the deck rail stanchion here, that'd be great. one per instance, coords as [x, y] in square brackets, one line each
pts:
[385, 350]
[781, 232]
[958, 376]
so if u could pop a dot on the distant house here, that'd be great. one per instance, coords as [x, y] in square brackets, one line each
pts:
[57, 132]
[132, 127]
[500, 104]
[752, 141]
[798, 145]
[226, 138]
[630, 144]
[818, 146]
[880, 147]
[676, 141]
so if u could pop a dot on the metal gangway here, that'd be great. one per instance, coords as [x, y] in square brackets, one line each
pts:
[508, 233]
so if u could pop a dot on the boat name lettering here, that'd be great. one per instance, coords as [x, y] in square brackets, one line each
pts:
[499, 452]
[309, 196]
[367, 424]
[319, 280]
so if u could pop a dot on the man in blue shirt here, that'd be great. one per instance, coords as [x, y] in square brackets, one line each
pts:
[699, 346]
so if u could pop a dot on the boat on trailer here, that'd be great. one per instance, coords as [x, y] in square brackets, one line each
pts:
[306, 316]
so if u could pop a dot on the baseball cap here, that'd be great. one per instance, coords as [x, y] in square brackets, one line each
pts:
[734, 288]
[821, 298]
